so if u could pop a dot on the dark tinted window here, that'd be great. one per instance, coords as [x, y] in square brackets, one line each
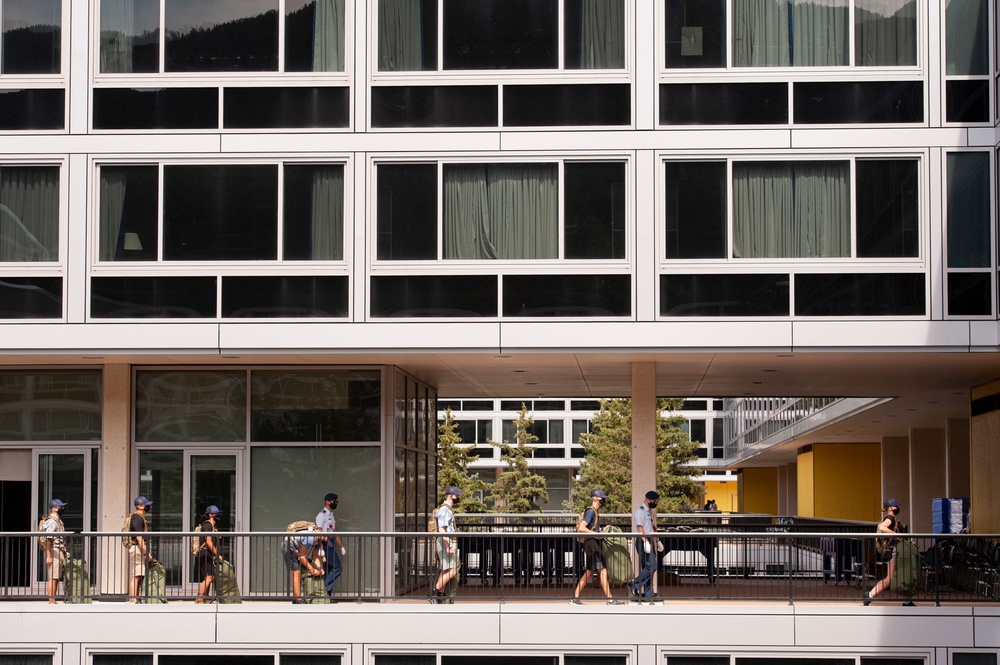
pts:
[724, 295]
[567, 295]
[887, 211]
[314, 37]
[820, 102]
[32, 109]
[695, 33]
[558, 105]
[549, 405]
[968, 101]
[287, 108]
[31, 297]
[130, 37]
[407, 211]
[434, 296]
[313, 225]
[585, 405]
[309, 659]
[514, 405]
[501, 34]
[32, 36]
[152, 297]
[221, 36]
[123, 659]
[477, 405]
[499, 660]
[163, 108]
[220, 212]
[288, 296]
[435, 106]
[128, 213]
[973, 658]
[969, 217]
[877, 294]
[215, 659]
[695, 210]
[723, 103]
[970, 294]
[594, 219]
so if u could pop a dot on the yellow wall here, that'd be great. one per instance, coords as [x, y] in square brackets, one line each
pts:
[843, 481]
[725, 493]
[806, 479]
[759, 490]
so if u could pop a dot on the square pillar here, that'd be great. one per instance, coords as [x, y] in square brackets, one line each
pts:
[928, 478]
[643, 430]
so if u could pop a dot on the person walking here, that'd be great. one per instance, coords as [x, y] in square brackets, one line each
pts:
[446, 546]
[138, 551]
[643, 523]
[334, 548]
[590, 523]
[208, 554]
[55, 547]
[888, 525]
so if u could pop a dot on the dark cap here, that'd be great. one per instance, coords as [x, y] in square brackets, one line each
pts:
[212, 510]
[142, 501]
[452, 489]
[652, 495]
[599, 494]
[57, 503]
[890, 503]
[330, 497]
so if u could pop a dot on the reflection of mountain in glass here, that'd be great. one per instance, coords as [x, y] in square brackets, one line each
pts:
[34, 49]
[242, 45]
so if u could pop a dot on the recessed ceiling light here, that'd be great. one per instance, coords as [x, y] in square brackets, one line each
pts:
[757, 383]
[93, 357]
[770, 370]
[520, 371]
[502, 357]
[531, 383]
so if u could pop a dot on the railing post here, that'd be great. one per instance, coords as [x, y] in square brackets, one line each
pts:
[791, 599]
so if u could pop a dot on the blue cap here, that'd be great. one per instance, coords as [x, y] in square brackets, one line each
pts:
[57, 503]
[212, 510]
[452, 490]
[599, 494]
[142, 501]
[332, 496]
[890, 503]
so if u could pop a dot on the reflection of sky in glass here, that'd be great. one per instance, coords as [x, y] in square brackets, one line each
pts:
[883, 7]
[292, 6]
[145, 18]
[185, 15]
[25, 13]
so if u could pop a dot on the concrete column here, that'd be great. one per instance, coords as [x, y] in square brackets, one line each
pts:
[783, 490]
[895, 473]
[984, 459]
[928, 478]
[791, 488]
[115, 473]
[643, 430]
[957, 441]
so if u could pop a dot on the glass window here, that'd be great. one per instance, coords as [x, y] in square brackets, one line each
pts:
[285, 296]
[407, 212]
[314, 35]
[799, 33]
[130, 36]
[37, 108]
[29, 213]
[434, 296]
[969, 210]
[828, 102]
[723, 103]
[696, 210]
[972, 658]
[123, 659]
[161, 476]
[153, 297]
[561, 105]
[26, 659]
[695, 33]
[221, 35]
[32, 36]
[594, 224]
[501, 34]
[315, 406]
[435, 106]
[875, 294]
[50, 406]
[157, 108]
[127, 214]
[885, 33]
[314, 212]
[791, 209]
[299, 107]
[567, 295]
[214, 659]
[31, 297]
[724, 295]
[970, 294]
[189, 405]
[967, 29]
[887, 208]
[220, 212]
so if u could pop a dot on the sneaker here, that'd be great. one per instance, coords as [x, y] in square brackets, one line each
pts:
[615, 601]
[909, 603]
[867, 599]
[575, 601]
[634, 590]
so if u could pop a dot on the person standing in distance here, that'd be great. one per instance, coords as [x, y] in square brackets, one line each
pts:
[446, 546]
[889, 525]
[643, 523]
[592, 550]
[138, 551]
[55, 547]
[334, 547]
[208, 554]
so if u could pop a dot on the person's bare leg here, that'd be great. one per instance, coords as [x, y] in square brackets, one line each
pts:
[604, 583]
[584, 580]
[53, 590]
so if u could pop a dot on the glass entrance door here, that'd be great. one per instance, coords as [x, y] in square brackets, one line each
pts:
[67, 476]
[213, 480]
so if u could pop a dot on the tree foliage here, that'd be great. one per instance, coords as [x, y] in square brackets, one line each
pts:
[607, 463]
[518, 490]
[453, 467]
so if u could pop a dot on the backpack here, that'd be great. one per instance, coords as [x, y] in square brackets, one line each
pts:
[581, 518]
[196, 542]
[129, 541]
[885, 546]
[41, 528]
[432, 521]
[297, 525]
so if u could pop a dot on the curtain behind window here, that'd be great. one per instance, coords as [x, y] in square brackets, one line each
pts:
[885, 33]
[501, 211]
[111, 203]
[328, 36]
[602, 34]
[29, 214]
[791, 210]
[779, 33]
[328, 214]
[117, 28]
[399, 35]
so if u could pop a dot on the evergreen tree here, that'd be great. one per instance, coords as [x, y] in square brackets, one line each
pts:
[518, 489]
[607, 463]
[453, 462]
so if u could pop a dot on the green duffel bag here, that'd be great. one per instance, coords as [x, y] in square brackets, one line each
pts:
[76, 581]
[617, 557]
[154, 584]
[227, 587]
[314, 589]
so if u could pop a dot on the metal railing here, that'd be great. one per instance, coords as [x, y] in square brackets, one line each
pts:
[762, 561]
